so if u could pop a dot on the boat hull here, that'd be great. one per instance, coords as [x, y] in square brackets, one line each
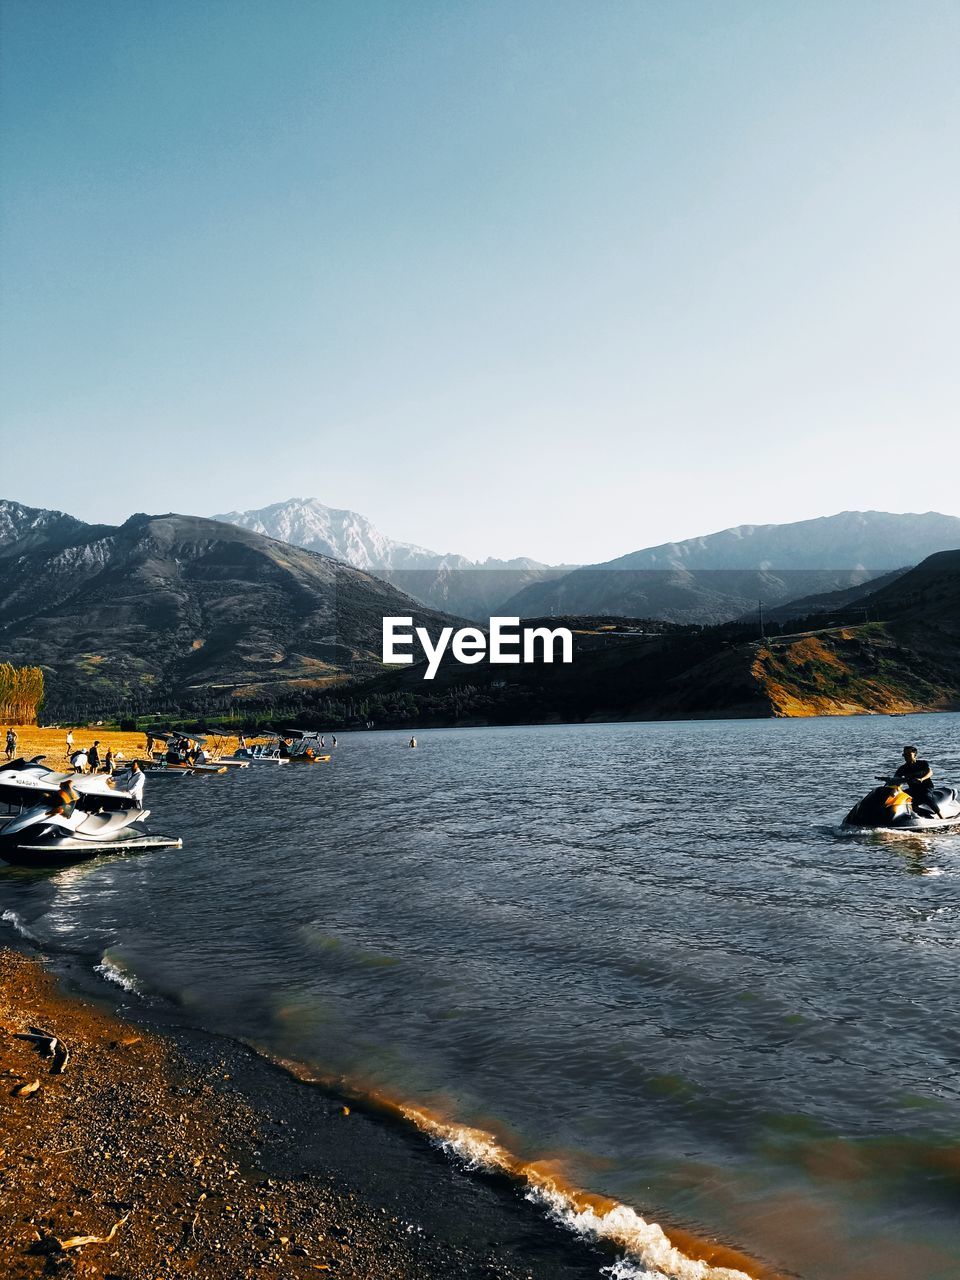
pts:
[65, 853]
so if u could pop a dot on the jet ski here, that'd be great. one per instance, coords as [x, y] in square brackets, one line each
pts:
[891, 807]
[50, 819]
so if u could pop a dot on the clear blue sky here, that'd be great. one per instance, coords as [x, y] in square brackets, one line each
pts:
[555, 278]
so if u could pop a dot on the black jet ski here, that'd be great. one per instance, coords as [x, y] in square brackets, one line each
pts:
[891, 807]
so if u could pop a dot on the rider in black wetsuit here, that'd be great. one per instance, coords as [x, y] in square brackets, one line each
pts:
[918, 777]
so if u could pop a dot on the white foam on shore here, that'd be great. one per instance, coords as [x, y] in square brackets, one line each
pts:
[623, 1269]
[16, 923]
[110, 971]
[649, 1252]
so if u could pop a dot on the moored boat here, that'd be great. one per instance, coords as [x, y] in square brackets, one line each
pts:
[50, 819]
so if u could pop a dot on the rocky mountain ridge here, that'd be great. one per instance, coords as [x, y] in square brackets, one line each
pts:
[724, 575]
[443, 580]
[176, 609]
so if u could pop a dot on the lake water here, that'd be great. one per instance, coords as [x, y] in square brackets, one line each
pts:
[644, 954]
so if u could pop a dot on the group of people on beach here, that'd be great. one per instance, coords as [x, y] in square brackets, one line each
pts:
[91, 759]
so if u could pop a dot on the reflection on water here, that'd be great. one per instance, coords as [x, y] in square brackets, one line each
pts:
[642, 953]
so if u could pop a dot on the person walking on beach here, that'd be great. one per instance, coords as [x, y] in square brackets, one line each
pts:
[108, 765]
[242, 742]
[11, 743]
[93, 757]
[69, 742]
[149, 743]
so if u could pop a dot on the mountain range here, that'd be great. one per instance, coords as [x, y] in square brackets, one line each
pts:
[906, 658]
[173, 609]
[722, 576]
[708, 579]
[443, 580]
[177, 610]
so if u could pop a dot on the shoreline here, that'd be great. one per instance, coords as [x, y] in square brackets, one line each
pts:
[222, 1161]
[50, 743]
[208, 1159]
[394, 1155]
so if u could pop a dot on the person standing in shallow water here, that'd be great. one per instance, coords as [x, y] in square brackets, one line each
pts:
[135, 782]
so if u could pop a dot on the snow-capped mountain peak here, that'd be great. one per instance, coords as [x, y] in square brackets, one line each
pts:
[349, 536]
[344, 535]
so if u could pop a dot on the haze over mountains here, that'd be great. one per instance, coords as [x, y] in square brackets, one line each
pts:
[444, 580]
[707, 579]
[722, 576]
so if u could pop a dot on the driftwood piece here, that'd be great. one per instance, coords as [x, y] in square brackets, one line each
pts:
[23, 1090]
[77, 1242]
[61, 1056]
[190, 1228]
[50, 1045]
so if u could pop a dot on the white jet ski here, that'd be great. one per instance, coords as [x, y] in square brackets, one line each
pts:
[50, 819]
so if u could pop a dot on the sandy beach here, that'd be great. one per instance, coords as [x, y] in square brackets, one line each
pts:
[150, 1155]
[52, 744]
[126, 1148]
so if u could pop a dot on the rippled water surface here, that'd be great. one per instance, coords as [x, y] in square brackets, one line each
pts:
[643, 951]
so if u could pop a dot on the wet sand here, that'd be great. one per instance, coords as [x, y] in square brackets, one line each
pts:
[184, 1154]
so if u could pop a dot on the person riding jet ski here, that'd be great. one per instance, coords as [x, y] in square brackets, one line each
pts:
[908, 801]
[918, 779]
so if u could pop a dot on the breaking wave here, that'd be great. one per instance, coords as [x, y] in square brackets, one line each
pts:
[16, 923]
[112, 971]
[649, 1252]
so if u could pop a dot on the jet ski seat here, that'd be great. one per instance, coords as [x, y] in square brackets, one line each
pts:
[945, 798]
